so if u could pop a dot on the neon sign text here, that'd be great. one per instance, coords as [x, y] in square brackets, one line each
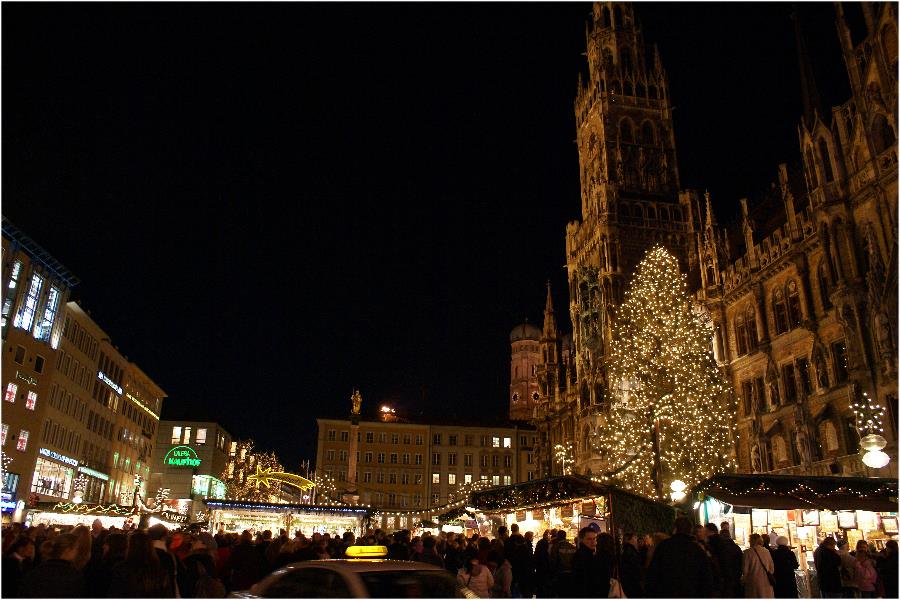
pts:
[102, 376]
[182, 456]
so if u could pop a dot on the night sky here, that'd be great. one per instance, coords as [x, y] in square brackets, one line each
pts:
[271, 204]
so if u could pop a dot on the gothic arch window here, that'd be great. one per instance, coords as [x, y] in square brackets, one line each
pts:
[825, 155]
[627, 59]
[585, 439]
[811, 170]
[779, 449]
[617, 16]
[828, 436]
[750, 319]
[651, 212]
[889, 45]
[616, 87]
[824, 285]
[740, 336]
[779, 310]
[882, 134]
[651, 92]
[607, 22]
[795, 314]
[640, 90]
[627, 90]
[648, 135]
[626, 131]
[663, 214]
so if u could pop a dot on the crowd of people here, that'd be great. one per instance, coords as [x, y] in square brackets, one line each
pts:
[694, 561]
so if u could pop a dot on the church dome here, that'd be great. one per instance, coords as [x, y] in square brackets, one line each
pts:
[525, 331]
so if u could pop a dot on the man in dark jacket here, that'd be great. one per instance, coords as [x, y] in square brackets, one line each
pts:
[631, 572]
[522, 561]
[731, 566]
[828, 568]
[887, 569]
[429, 554]
[588, 579]
[680, 567]
[785, 562]
[17, 561]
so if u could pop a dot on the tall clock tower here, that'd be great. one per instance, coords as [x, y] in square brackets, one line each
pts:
[630, 198]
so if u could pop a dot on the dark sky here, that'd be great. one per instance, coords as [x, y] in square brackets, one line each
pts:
[271, 204]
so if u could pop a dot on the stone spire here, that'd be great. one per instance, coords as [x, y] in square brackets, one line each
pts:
[549, 317]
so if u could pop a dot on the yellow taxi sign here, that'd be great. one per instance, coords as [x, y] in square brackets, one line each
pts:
[366, 551]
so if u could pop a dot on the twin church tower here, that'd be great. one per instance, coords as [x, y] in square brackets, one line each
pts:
[839, 208]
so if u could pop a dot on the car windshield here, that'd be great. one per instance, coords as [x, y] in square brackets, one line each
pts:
[409, 584]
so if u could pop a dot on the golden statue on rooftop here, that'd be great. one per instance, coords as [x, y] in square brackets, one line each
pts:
[356, 398]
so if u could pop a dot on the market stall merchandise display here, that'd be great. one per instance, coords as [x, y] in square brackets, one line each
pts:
[237, 515]
[570, 502]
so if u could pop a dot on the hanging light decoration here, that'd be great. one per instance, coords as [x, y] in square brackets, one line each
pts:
[869, 416]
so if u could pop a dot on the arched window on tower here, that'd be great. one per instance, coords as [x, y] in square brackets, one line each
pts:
[640, 91]
[740, 335]
[750, 318]
[882, 134]
[626, 133]
[627, 90]
[824, 285]
[779, 309]
[617, 15]
[651, 92]
[648, 135]
[811, 170]
[826, 160]
[615, 87]
[795, 314]
[627, 59]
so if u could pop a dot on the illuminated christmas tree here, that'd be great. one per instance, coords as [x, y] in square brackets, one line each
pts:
[669, 418]
[244, 464]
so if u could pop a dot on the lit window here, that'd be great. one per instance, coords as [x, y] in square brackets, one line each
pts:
[495, 442]
[232, 448]
[11, 390]
[187, 435]
[23, 440]
[25, 318]
[435, 478]
[3, 434]
[11, 293]
[451, 478]
[507, 442]
[127, 464]
[507, 479]
[176, 436]
[495, 480]
[45, 323]
[201, 437]
[467, 478]
[115, 459]
[31, 400]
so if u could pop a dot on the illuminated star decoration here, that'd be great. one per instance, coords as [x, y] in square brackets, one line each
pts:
[267, 476]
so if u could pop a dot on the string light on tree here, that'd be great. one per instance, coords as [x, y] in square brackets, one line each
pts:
[565, 456]
[869, 415]
[669, 419]
[5, 460]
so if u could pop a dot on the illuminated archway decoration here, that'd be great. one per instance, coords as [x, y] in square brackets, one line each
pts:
[267, 476]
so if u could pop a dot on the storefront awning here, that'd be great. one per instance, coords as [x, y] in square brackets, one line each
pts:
[802, 492]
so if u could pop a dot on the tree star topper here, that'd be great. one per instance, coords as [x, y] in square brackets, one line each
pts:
[267, 476]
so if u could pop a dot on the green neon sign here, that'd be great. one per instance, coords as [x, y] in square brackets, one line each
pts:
[181, 456]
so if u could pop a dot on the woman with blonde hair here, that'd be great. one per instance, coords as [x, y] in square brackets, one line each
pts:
[83, 533]
[759, 570]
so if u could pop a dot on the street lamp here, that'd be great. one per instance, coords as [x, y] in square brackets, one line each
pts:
[678, 487]
[868, 424]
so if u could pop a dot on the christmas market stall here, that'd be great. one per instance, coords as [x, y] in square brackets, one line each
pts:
[71, 513]
[570, 502]
[804, 509]
[238, 515]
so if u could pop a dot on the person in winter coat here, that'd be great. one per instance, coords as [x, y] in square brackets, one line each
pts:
[828, 568]
[98, 574]
[56, 576]
[501, 570]
[542, 565]
[865, 576]
[428, 553]
[679, 567]
[785, 562]
[887, 570]
[476, 577]
[140, 575]
[731, 566]
[17, 561]
[630, 569]
[758, 567]
[590, 578]
[848, 570]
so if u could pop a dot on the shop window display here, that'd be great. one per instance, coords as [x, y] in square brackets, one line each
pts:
[52, 479]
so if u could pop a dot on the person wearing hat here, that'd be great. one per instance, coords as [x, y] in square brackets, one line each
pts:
[785, 562]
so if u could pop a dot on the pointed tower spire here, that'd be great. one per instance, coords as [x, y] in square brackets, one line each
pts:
[549, 316]
[811, 101]
[710, 219]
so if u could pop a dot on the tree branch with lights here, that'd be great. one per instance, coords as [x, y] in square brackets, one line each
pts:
[669, 421]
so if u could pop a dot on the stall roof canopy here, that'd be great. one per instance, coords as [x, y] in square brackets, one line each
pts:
[541, 492]
[802, 492]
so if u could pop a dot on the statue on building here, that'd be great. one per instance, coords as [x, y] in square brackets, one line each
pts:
[802, 443]
[884, 340]
[755, 459]
[356, 399]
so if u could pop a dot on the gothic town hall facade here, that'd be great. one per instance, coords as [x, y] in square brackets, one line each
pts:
[802, 298]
